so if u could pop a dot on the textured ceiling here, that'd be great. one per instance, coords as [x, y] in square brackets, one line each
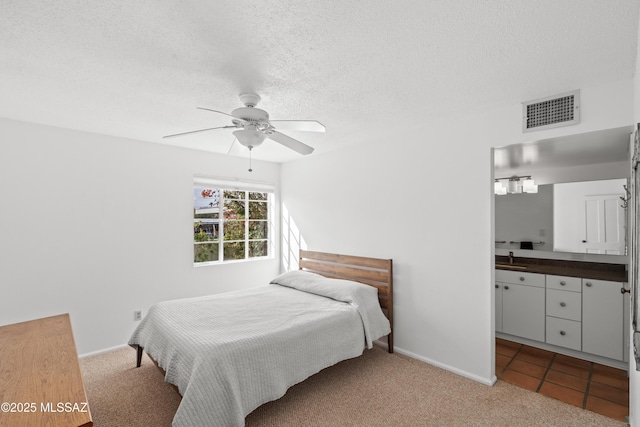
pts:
[139, 69]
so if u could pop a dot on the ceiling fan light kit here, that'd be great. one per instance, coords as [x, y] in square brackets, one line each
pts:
[250, 138]
[253, 126]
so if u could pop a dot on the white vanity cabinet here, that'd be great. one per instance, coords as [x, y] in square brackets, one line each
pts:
[602, 318]
[582, 317]
[564, 311]
[521, 296]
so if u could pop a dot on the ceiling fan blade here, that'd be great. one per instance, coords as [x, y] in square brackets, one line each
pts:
[221, 112]
[196, 131]
[303, 125]
[289, 142]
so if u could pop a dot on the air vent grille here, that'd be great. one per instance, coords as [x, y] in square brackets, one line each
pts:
[550, 112]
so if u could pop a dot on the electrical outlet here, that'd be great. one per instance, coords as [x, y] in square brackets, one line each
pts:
[577, 257]
[137, 315]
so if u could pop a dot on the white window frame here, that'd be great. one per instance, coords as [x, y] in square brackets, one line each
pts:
[237, 185]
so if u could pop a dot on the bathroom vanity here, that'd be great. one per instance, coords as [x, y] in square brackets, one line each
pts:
[569, 307]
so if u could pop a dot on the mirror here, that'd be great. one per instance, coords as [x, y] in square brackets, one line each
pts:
[579, 176]
[577, 217]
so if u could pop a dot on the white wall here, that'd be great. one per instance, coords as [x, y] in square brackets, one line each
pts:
[424, 197]
[98, 226]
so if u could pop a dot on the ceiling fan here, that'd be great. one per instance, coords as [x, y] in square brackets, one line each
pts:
[253, 126]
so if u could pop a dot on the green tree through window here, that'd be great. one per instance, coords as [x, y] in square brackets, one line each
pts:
[230, 224]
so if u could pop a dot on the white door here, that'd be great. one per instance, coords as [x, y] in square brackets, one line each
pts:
[604, 225]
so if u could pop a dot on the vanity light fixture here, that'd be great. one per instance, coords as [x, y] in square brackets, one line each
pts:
[528, 186]
[499, 188]
[515, 185]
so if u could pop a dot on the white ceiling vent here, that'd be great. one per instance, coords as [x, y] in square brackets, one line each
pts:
[551, 112]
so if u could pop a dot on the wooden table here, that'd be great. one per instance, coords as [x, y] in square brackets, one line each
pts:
[40, 379]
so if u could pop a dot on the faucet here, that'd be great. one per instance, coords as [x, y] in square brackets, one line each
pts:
[510, 257]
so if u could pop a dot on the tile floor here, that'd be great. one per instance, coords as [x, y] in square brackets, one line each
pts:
[591, 386]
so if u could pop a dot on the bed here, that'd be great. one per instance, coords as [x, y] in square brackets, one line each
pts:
[230, 353]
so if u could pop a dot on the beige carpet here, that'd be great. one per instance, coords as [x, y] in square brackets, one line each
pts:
[376, 389]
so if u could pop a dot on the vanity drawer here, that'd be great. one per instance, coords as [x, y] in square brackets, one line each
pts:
[564, 283]
[565, 333]
[520, 278]
[563, 304]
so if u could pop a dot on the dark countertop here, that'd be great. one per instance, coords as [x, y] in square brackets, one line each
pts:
[587, 270]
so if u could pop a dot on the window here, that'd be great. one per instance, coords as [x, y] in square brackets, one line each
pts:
[230, 224]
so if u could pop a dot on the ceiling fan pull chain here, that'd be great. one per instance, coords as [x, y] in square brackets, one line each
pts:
[250, 148]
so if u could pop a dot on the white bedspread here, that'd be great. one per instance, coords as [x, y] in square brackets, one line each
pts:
[230, 353]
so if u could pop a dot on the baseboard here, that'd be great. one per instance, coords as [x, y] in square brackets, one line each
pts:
[486, 381]
[104, 350]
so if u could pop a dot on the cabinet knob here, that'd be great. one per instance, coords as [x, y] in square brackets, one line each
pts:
[624, 291]
[497, 286]
[521, 279]
[563, 304]
[589, 284]
[563, 333]
[563, 283]
[506, 287]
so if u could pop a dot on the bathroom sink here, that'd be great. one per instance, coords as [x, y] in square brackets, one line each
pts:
[510, 266]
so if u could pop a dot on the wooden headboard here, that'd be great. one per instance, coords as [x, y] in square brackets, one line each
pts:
[374, 272]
